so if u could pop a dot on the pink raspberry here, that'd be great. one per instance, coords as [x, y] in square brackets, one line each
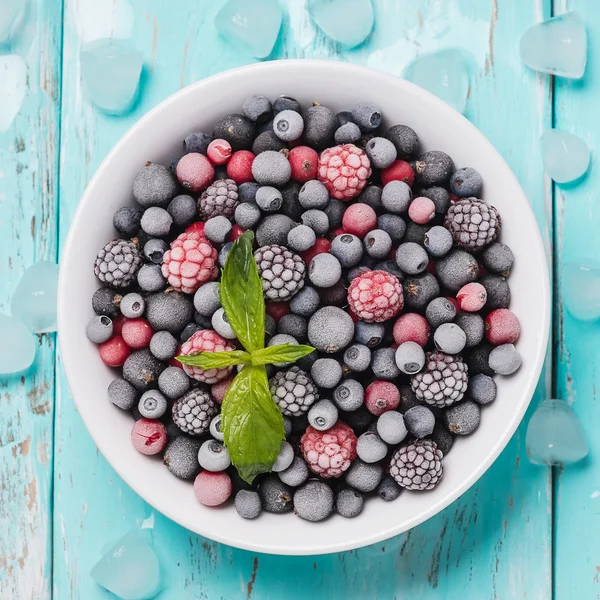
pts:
[421, 210]
[330, 452]
[190, 262]
[502, 327]
[194, 171]
[149, 436]
[411, 327]
[381, 396]
[206, 340]
[219, 152]
[344, 170]
[304, 161]
[359, 219]
[375, 296]
[472, 297]
[212, 489]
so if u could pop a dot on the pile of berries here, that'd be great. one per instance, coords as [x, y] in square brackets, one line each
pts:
[381, 255]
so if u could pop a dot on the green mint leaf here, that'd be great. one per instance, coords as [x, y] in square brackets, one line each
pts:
[252, 423]
[215, 360]
[241, 294]
[283, 353]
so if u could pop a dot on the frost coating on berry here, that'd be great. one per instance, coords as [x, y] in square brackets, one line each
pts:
[502, 327]
[473, 223]
[206, 340]
[417, 466]
[375, 296]
[472, 297]
[344, 170]
[443, 381]
[117, 263]
[149, 436]
[293, 391]
[212, 489]
[190, 262]
[221, 198]
[194, 171]
[329, 453]
[193, 412]
[282, 272]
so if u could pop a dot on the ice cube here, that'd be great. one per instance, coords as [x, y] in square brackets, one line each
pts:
[347, 22]
[251, 26]
[34, 300]
[17, 350]
[555, 435]
[581, 285]
[566, 156]
[130, 569]
[12, 13]
[111, 70]
[443, 73]
[557, 46]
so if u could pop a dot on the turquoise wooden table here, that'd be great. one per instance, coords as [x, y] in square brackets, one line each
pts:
[521, 532]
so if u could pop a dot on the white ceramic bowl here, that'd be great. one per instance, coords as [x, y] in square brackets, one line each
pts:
[157, 137]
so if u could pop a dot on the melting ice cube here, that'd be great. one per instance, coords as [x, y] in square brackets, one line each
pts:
[566, 156]
[557, 46]
[12, 13]
[252, 26]
[111, 70]
[581, 285]
[555, 435]
[347, 22]
[17, 350]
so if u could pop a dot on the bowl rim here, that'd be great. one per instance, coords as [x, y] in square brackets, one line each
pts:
[69, 354]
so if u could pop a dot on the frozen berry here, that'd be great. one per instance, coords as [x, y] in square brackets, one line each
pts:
[114, 351]
[99, 329]
[457, 269]
[440, 197]
[375, 296]
[349, 395]
[381, 396]
[404, 139]
[313, 194]
[219, 389]
[498, 291]
[106, 301]
[197, 141]
[369, 334]
[137, 333]
[482, 389]
[417, 466]
[247, 504]
[217, 229]
[206, 341]
[206, 299]
[288, 125]
[127, 221]
[323, 415]
[349, 503]
[324, 270]
[421, 210]
[359, 219]
[440, 310]
[472, 297]
[502, 327]
[357, 358]
[329, 453]
[462, 418]
[381, 152]
[384, 364]
[117, 263]
[301, 238]
[394, 226]
[195, 172]
[377, 243]
[449, 338]
[330, 329]
[438, 241]
[367, 115]
[498, 258]
[419, 421]
[219, 152]
[271, 168]
[364, 477]
[391, 427]
[443, 381]
[344, 171]
[370, 448]
[154, 185]
[296, 474]
[212, 489]
[317, 220]
[319, 126]
[142, 369]
[326, 372]
[505, 359]
[276, 496]
[267, 140]
[396, 197]
[411, 258]
[293, 325]
[122, 394]
[148, 436]
[410, 357]
[473, 223]
[247, 215]
[347, 248]
[173, 382]
[181, 457]
[238, 130]
[348, 133]
[213, 456]
[420, 290]
[239, 167]
[478, 360]
[257, 108]
[411, 327]
[163, 345]
[154, 250]
[293, 391]
[304, 163]
[433, 168]
[466, 182]
[388, 489]
[305, 302]
[152, 404]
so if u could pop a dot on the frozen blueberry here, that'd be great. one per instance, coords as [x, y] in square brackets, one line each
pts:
[411, 258]
[381, 152]
[404, 139]
[396, 197]
[122, 394]
[326, 372]
[173, 382]
[154, 185]
[132, 306]
[408, 398]
[357, 358]
[473, 326]
[152, 404]
[416, 233]
[296, 474]
[388, 489]
[440, 310]
[247, 191]
[364, 477]
[221, 325]
[393, 225]
[391, 427]
[384, 364]
[99, 329]
[247, 215]
[247, 504]
[169, 310]
[349, 503]
[150, 278]
[335, 212]
[316, 220]
[314, 501]
[284, 458]
[305, 302]
[349, 133]
[293, 325]
[349, 395]
[462, 418]
[443, 438]
[188, 331]
[216, 229]
[238, 130]
[275, 495]
[343, 117]
[457, 269]
[313, 194]
[324, 270]
[336, 295]
[466, 183]
[505, 359]
[286, 103]
[498, 291]
[301, 238]
[438, 241]
[288, 125]
[370, 447]
[330, 329]
[106, 301]
[198, 141]
[482, 389]
[319, 126]
[371, 195]
[183, 209]
[257, 108]
[267, 141]
[433, 168]
[449, 338]
[419, 291]
[274, 229]
[127, 221]
[419, 421]
[142, 370]
[498, 258]
[213, 456]
[478, 361]
[439, 196]
[323, 415]
[410, 357]
[347, 248]
[224, 253]
[181, 457]
[154, 250]
[156, 221]
[163, 345]
[377, 243]
[369, 334]
[367, 115]
[206, 299]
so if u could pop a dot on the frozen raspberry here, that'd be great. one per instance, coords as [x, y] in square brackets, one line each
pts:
[502, 327]
[190, 262]
[381, 396]
[212, 489]
[304, 162]
[375, 296]
[195, 172]
[330, 452]
[399, 170]
[137, 333]
[344, 170]
[359, 219]
[219, 389]
[421, 210]
[219, 152]
[149, 436]
[471, 297]
[197, 227]
[206, 340]
[321, 246]
[239, 167]
[114, 352]
[411, 327]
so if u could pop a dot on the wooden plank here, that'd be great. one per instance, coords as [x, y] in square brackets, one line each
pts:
[28, 216]
[495, 541]
[577, 488]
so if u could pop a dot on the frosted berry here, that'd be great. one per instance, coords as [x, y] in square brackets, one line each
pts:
[293, 391]
[466, 182]
[319, 126]
[317, 220]
[219, 152]
[498, 258]
[217, 229]
[239, 167]
[359, 219]
[381, 152]
[348, 133]
[420, 421]
[367, 115]
[349, 503]
[126, 221]
[399, 170]
[193, 412]
[314, 501]
[132, 306]
[433, 168]
[324, 270]
[505, 359]
[381, 396]
[321, 246]
[498, 291]
[438, 241]
[329, 453]
[473, 223]
[347, 248]
[213, 456]
[323, 415]
[99, 329]
[219, 389]
[378, 243]
[271, 168]
[195, 172]
[197, 141]
[152, 404]
[257, 108]
[502, 327]
[247, 504]
[443, 381]
[449, 338]
[421, 210]
[417, 466]
[142, 369]
[330, 329]
[391, 428]
[304, 162]
[122, 394]
[190, 262]
[173, 382]
[221, 198]
[114, 352]
[375, 296]
[237, 129]
[282, 272]
[344, 171]
[472, 297]
[410, 357]
[156, 221]
[288, 125]
[276, 496]
[396, 197]
[411, 258]
[349, 395]
[181, 457]
[463, 418]
[154, 185]
[440, 310]
[149, 436]
[212, 489]
[206, 340]
[411, 327]
[357, 358]
[404, 139]
[117, 263]
[363, 476]
[137, 333]
[296, 474]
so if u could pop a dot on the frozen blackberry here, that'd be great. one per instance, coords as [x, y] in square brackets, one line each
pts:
[367, 115]
[183, 210]
[357, 358]
[268, 198]
[301, 238]
[288, 125]
[122, 394]
[271, 168]
[106, 301]
[154, 250]
[274, 229]
[323, 415]
[293, 391]
[419, 421]
[193, 412]
[319, 126]
[99, 329]
[313, 194]
[369, 334]
[457, 269]
[463, 418]
[498, 291]
[247, 215]
[117, 263]
[443, 438]
[396, 197]
[152, 404]
[438, 241]
[206, 299]
[267, 140]
[293, 325]
[391, 427]
[330, 329]
[370, 447]
[482, 389]
[169, 310]
[257, 108]
[282, 272]
[417, 466]
[150, 278]
[163, 345]
[296, 474]
[433, 168]
[377, 243]
[154, 185]
[364, 477]
[142, 370]
[324, 270]
[419, 291]
[505, 359]
[305, 302]
[349, 503]
[473, 223]
[127, 221]
[404, 139]
[335, 212]
[220, 198]
[238, 130]
[381, 152]
[449, 338]
[198, 141]
[348, 133]
[349, 395]
[443, 381]
[498, 258]
[439, 196]
[276, 496]
[286, 103]
[181, 457]
[156, 221]
[388, 489]
[473, 326]
[247, 504]
[411, 258]
[313, 501]
[478, 360]
[173, 382]
[347, 248]
[326, 372]
[440, 310]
